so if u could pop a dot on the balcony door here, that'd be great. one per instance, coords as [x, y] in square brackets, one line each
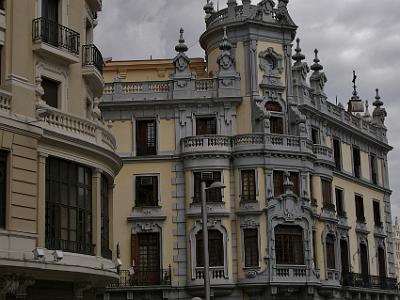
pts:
[146, 257]
[382, 262]
[50, 24]
[344, 256]
[364, 262]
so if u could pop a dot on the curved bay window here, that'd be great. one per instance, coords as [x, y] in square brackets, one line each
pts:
[330, 252]
[68, 206]
[289, 247]
[276, 119]
[105, 219]
[215, 248]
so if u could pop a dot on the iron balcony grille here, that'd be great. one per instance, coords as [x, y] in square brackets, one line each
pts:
[143, 277]
[56, 35]
[369, 281]
[70, 246]
[92, 57]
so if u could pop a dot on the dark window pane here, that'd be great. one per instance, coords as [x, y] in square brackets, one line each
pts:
[146, 138]
[276, 125]
[330, 252]
[339, 202]
[273, 106]
[50, 88]
[3, 188]
[251, 247]
[377, 213]
[337, 154]
[374, 175]
[315, 135]
[215, 248]
[327, 194]
[248, 185]
[278, 183]
[213, 195]
[105, 219]
[356, 162]
[206, 126]
[146, 191]
[289, 245]
[359, 209]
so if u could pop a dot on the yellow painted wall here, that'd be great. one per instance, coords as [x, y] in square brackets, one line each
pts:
[123, 134]
[167, 135]
[346, 158]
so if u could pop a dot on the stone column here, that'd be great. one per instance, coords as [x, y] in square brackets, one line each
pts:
[41, 196]
[96, 210]
[111, 186]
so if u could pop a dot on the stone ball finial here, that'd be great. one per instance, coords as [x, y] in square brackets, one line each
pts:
[181, 47]
[298, 56]
[378, 102]
[316, 67]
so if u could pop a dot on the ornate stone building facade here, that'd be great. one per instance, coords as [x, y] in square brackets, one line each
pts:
[306, 209]
[57, 158]
[396, 242]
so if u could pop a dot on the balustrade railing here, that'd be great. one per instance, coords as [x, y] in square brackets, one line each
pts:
[215, 273]
[194, 143]
[92, 57]
[5, 101]
[204, 85]
[51, 33]
[139, 277]
[369, 281]
[290, 271]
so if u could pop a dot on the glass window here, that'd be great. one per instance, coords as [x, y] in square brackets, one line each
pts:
[213, 195]
[374, 174]
[327, 194]
[251, 258]
[377, 213]
[206, 126]
[360, 208]
[50, 88]
[339, 202]
[215, 248]
[3, 188]
[276, 125]
[279, 180]
[68, 220]
[146, 138]
[330, 252]
[248, 185]
[315, 135]
[337, 154]
[356, 162]
[289, 245]
[146, 191]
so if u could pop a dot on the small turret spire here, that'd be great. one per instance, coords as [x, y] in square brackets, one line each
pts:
[298, 56]
[316, 67]
[354, 83]
[225, 44]
[378, 102]
[181, 47]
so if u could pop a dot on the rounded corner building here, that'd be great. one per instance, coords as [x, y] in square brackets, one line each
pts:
[305, 212]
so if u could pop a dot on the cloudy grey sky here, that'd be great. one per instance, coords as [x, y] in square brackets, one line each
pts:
[350, 34]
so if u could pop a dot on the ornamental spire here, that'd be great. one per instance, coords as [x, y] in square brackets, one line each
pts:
[354, 83]
[225, 44]
[378, 102]
[181, 47]
[316, 67]
[298, 56]
[208, 8]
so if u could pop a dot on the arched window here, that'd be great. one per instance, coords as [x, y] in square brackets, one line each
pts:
[215, 248]
[330, 252]
[276, 119]
[289, 247]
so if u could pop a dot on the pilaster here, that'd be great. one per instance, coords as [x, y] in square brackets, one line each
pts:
[96, 210]
[41, 204]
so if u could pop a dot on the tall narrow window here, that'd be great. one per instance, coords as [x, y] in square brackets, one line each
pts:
[146, 191]
[51, 19]
[315, 135]
[344, 256]
[330, 252]
[364, 261]
[337, 154]
[276, 120]
[327, 194]
[146, 137]
[68, 206]
[360, 208]
[248, 185]
[314, 244]
[206, 126]
[289, 245]
[374, 174]
[356, 162]
[3, 188]
[105, 219]
[213, 195]
[276, 125]
[215, 248]
[377, 213]
[251, 256]
[382, 262]
[50, 88]
[339, 202]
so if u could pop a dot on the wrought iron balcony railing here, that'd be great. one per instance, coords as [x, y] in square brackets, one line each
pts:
[70, 246]
[92, 57]
[51, 33]
[369, 281]
[143, 277]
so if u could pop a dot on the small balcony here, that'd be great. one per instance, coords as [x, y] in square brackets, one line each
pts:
[54, 40]
[216, 273]
[369, 281]
[324, 154]
[294, 274]
[143, 278]
[92, 67]
[206, 143]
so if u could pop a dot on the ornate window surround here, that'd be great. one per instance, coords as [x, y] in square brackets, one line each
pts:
[158, 175]
[206, 170]
[250, 222]
[134, 143]
[330, 229]
[256, 178]
[215, 115]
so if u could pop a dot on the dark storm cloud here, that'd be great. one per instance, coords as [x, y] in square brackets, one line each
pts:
[350, 34]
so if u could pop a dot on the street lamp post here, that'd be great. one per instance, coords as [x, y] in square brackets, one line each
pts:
[214, 185]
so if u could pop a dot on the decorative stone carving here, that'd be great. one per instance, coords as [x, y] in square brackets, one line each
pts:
[282, 13]
[249, 222]
[39, 91]
[96, 112]
[271, 63]
[379, 114]
[318, 79]
[181, 61]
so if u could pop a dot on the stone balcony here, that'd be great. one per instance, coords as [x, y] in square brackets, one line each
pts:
[5, 102]
[293, 274]
[323, 154]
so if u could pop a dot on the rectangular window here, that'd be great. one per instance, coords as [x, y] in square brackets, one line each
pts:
[315, 135]
[337, 154]
[50, 88]
[146, 191]
[374, 174]
[3, 188]
[251, 247]
[330, 252]
[339, 202]
[276, 125]
[360, 208]
[248, 185]
[206, 126]
[377, 213]
[215, 248]
[279, 179]
[289, 245]
[213, 195]
[356, 162]
[68, 206]
[146, 138]
[105, 219]
[327, 194]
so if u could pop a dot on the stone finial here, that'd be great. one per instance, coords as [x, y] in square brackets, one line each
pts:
[225, 44]
[208, 8]
[355, 104]
[354, 83]
[298, 56]
[379, 114]
[181, 47]
[378, 102]
[316, 67]
[287, 184]
[367, 115]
